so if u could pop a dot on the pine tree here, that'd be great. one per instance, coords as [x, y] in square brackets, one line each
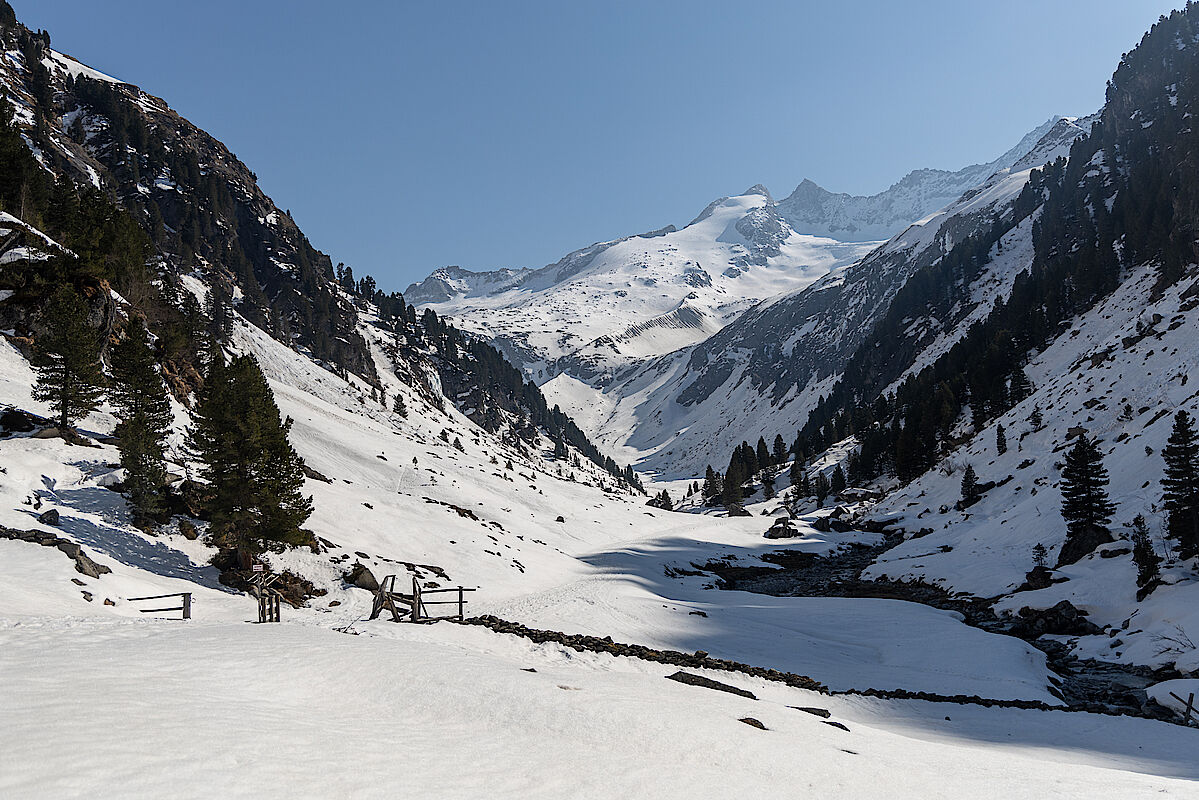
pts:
[837, 484]
[763, 455]
[821, 488]
[779, 449]
[254, 476]
[399, 406]
[798, 472]
[970, 492]
[560, 450]
[458, 445]
[67, 359]
[768, 485]
[1000, 440]
[1085, 502]
[1039, 555]
[144, 413]
[804, 487]
[713, 486]
[1181, 485]
[1143, 554]
[733, 478]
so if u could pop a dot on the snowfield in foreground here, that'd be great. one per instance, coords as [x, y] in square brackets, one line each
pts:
[107, 709]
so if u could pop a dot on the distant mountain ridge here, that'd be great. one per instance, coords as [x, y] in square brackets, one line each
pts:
[855, 218]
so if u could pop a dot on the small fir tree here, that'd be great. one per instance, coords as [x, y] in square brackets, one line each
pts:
[1181, 485]
[779, 449]
[399, 407]
[768, 485]
[144, 413]
[255, 478]
[67, 359]
[970, 490]
[1146, 558]
[837, 484]
[821, 488]
[1000, 440]
[1085, 502]
[1039, 555]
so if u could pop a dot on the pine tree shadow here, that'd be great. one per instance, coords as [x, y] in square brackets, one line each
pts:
[117, 540]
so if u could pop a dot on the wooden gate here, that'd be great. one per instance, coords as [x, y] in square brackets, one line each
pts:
[414, 607]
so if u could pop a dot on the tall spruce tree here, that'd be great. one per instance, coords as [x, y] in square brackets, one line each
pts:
[255, 477]
[836, 485]
[1085, 502]
[733, 478]
[67, 359]
[712, 485]
[1143, 554]
[779, 449]
[1181, 485]
[144, 413]
[970, 492]
[821, 488]
[1000, 440]
[763, 455]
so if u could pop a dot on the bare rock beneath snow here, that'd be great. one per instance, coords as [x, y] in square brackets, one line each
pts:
[707, 683]
[361, 577]
[85, 566]
[753, 723]
[817, 712]
[1062, 618]
[1083, 543]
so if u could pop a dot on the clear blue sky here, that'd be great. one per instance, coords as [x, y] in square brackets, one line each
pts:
[407, 135]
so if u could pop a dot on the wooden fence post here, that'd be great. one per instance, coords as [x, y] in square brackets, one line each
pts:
[415, 600]
[461, 603]
[187, 605]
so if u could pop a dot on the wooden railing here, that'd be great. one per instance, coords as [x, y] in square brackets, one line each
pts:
[414, 605]
[185, 606]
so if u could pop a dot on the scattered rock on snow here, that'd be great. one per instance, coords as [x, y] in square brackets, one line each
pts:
[50, 517]
[753, 723]
[699, 680]
[361, 577]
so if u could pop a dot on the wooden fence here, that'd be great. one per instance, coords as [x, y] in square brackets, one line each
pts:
[185, 606]
[414, 607]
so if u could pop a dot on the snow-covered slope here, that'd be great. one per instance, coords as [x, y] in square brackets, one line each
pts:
[401, 501]
[1133, 351]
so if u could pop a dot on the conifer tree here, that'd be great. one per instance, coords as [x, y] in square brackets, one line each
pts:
[1143, 554]
[1085, 502]
[255, 478]
[821, 488]
[560, 450]
[837, 484]
[399, 406]
[768, 485]
[763, 454]
[798, 471]
[1000, 440]
[713, 487]
[144, 413]
[804, 487]
[67, 359]
[970, 491]
[1181, 484]
[1039, 555]
[733, 478]
[779, 449]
